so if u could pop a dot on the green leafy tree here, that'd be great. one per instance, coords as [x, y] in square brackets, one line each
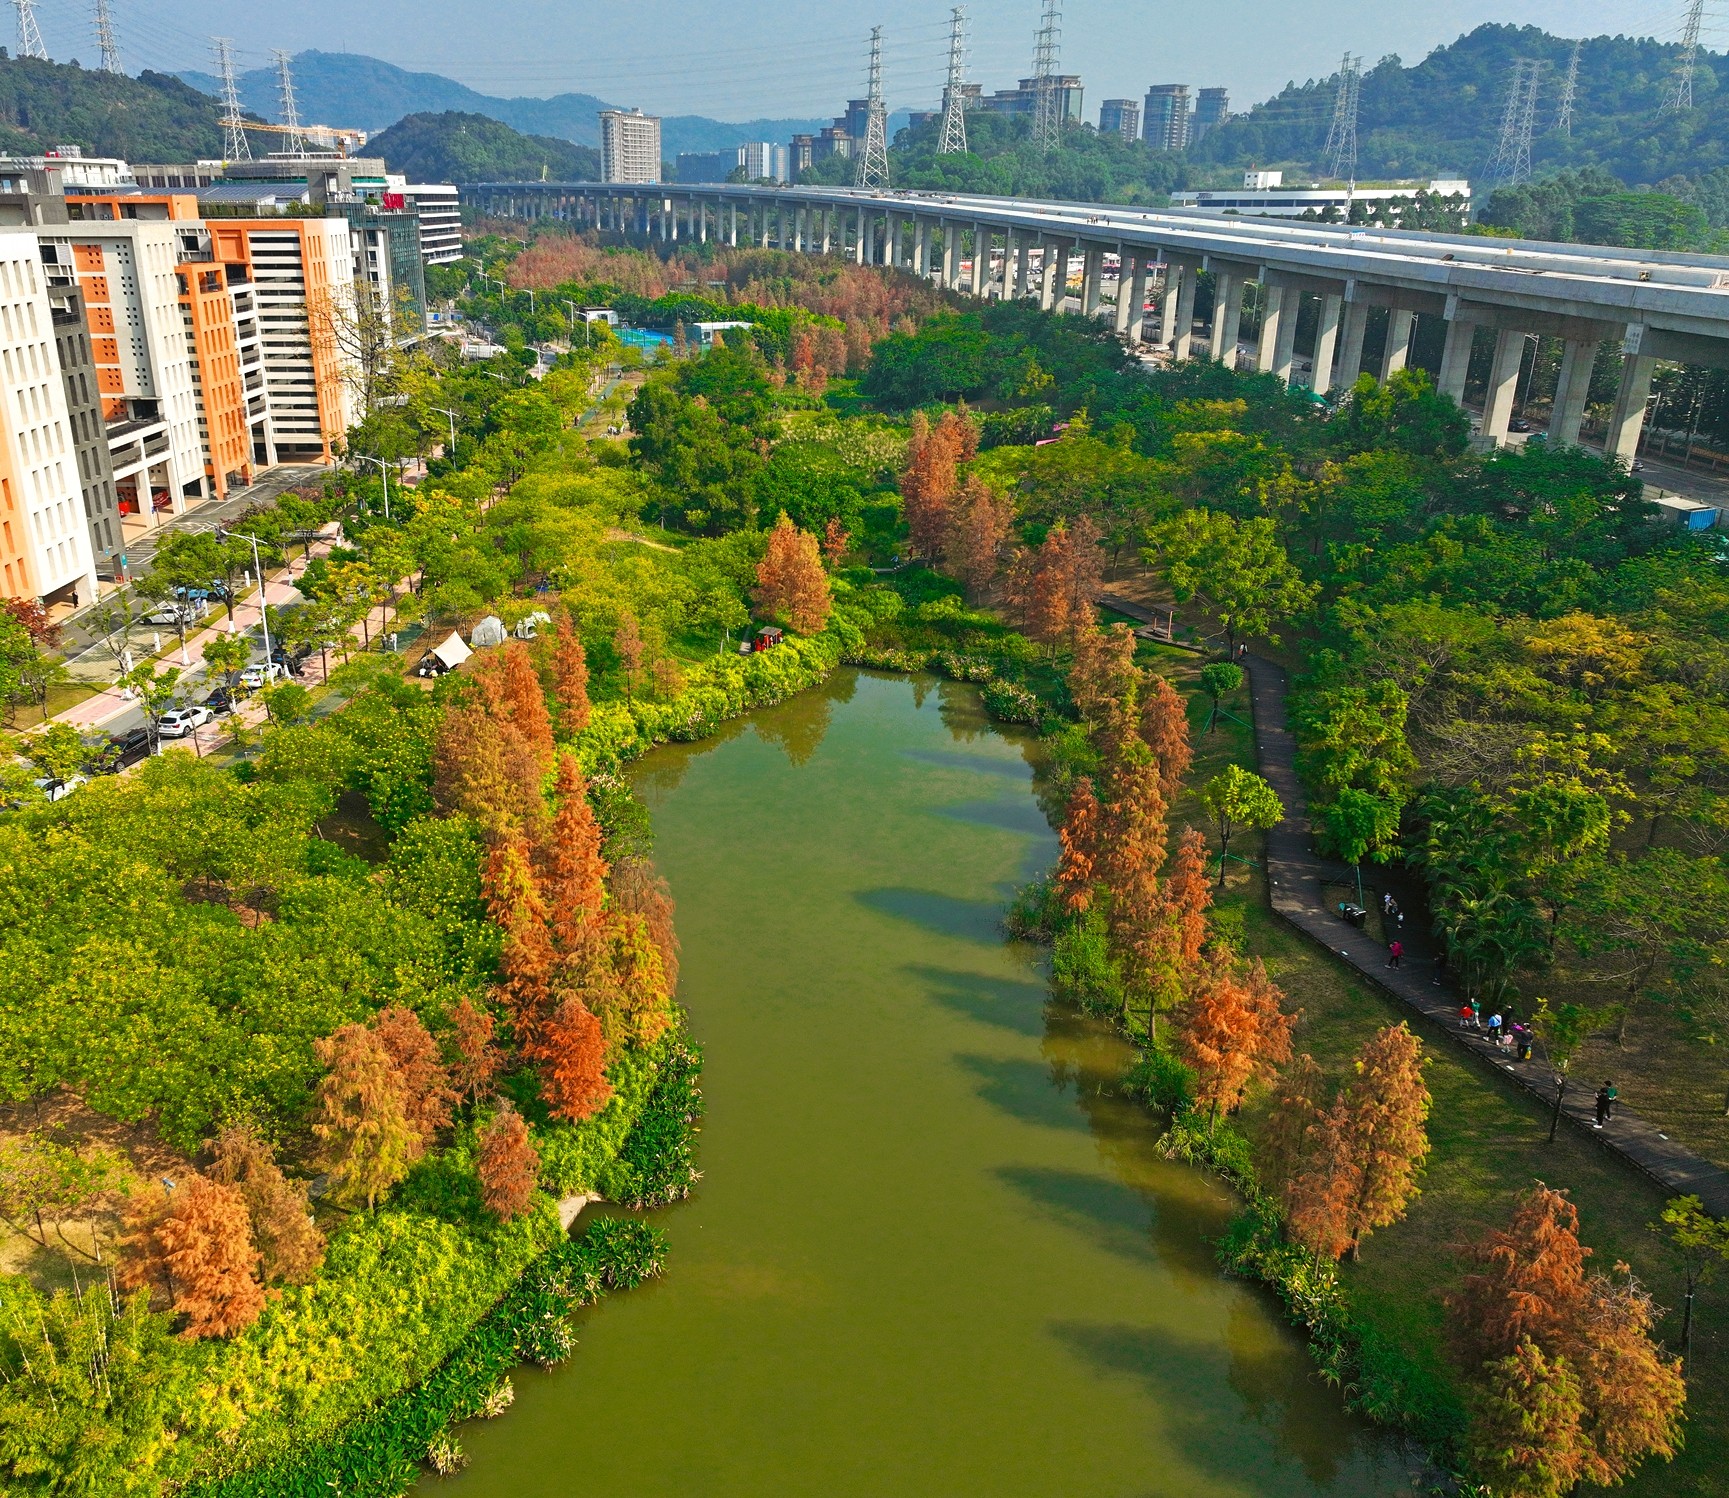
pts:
[1701, 1242]
[1219, 679]
[1236, 569]
[1238, 800]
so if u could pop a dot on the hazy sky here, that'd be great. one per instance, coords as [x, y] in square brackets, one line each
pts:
[737, 60]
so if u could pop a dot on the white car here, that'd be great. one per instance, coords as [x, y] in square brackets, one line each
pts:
[183, 720]
[58, 790]
[258, 674]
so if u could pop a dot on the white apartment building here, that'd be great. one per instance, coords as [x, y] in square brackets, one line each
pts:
[303, 289]
[44, 540]
[127, 270]
[438, 206]
[629, 146]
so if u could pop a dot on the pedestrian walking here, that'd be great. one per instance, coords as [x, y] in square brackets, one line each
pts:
[1604, 1105]
[1610, 1094]
[1476, 1014]
[1495, 1027]
[1522, 1035]
[1395, 951]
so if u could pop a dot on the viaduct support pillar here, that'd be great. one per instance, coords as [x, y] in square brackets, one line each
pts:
[1326, 343]
[1285, 346]
[1356, 324]
[1227, 317]
[1126, 272]
[1183, 337]
[1272, 323]
[1627, 422]
[1400, 325]
[981, 258]
[1503, 384]
[1456, 360]
[1137, 328]
[1092, 279]
[1572, 389]
[1024, 266]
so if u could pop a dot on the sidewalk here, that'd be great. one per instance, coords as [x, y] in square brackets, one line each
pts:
[1297, 879]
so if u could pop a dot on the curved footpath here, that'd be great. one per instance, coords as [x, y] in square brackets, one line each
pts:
[1297, 877]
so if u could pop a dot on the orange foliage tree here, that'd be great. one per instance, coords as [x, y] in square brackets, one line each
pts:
[978, 528]
[638, 890]
[929, 479]
[1380, 1132]
[360, 1120]
[1102, 675]
[508, 1165]
[427, 1096]
[527, 959]
[572, 872]
[1077, 867]
[835, 541]
[1233, 1031]
[290, 1247]
[1527, 1284]
[790, 581]
[475, 1060]
[1289, 1138]
[1165, 731]
[570, 675]
[569, 1052]
[200, 1242]
[492, 749]
[1051, 590]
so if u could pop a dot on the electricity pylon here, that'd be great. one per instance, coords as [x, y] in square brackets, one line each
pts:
[29, 33]
[1047, 90]
[1341, 148]
[295, 142]
[107, 48]
[238, 147]
[873, 162]
[1569, 92]
[954, 134]
[1679, 97]
[1511, 163]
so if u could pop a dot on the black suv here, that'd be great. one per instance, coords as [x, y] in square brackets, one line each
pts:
[130, 747]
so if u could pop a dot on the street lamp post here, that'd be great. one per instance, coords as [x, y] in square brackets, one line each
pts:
[384, 473]
[263, 615]
[451, 416]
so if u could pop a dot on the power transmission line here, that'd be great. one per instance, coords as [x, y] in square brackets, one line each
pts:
[238, 147]
[873, 162]
[106, 46]
[954, 136]
[1569, 92]
[1047, 90]
[1679, 97]
[29, 33]
[296, 142]
[1341, 148]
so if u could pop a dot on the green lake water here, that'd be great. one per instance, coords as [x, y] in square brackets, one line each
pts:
[928, 1255]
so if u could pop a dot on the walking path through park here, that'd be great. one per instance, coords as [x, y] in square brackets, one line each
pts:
[1299, 880]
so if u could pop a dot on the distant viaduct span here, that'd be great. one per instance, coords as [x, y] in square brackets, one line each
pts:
[1655, 305]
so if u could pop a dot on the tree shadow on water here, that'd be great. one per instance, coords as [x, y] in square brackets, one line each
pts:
[983, 764]
[1011, 813]
[1300, 1415]
[1007, 1003]
[1025, 1090]
[973, 920]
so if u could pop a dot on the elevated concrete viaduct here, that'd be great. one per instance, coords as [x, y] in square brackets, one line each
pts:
[1653, 305]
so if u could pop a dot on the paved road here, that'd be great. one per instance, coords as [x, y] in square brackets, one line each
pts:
[76, 640]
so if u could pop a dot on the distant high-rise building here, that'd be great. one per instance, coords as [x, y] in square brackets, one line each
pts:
[705, 166]
[1166, 124]
[1024, 99]
[763, 161]
[1212, 109]
[629, 146]
[1120, 117]
[800, 155]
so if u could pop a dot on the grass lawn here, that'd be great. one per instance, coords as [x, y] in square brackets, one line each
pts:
[1489, 1143]
[65, 695]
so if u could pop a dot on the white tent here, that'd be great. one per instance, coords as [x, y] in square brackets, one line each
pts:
[452, 653]
[527, 628]
[490, 631]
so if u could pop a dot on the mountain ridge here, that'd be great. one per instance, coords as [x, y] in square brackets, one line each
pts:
[350, 88]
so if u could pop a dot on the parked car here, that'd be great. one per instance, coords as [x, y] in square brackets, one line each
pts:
[58, 790]
[170, 616]
[1519, 424]
[220, 701]
[131, 746]
[258, 674]
[182, 721]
